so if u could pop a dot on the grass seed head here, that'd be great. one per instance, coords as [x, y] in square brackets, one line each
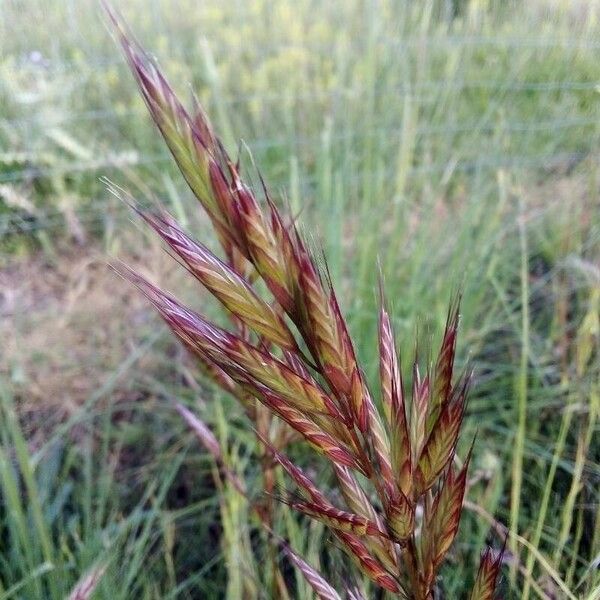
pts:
[401, 517]
[404, 453]
[439, 447]
[442, 383]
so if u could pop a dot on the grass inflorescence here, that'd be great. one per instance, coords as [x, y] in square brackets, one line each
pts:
[391, 462]
[451, 142]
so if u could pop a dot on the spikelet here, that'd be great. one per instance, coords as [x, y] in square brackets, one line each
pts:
[240, 360]
[439, 448]
[340, 519]
[358, 502]
[487, 576]
[321, 441]
[418, 412]
[263, 250]
[319, 321]
[232, 290]
[381, 445]
[353, 494]
[401, 517]
[442, 383]
[367, 563]
[358, 390]
[392, 395]
[189, 139]
[441, 522]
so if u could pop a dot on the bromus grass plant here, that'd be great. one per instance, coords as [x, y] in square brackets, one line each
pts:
[288, 358]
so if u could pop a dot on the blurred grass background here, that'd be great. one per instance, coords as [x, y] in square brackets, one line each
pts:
[454, 142]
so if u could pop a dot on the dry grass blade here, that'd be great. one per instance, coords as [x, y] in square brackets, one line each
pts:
[207, 438]
[87, 585]
[203, 433]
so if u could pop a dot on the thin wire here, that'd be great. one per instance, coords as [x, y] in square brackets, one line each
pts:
[128, 156]
[445, 41]
[308, 184]
[427, 88]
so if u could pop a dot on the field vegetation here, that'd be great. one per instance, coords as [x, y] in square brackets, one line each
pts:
[455, 144]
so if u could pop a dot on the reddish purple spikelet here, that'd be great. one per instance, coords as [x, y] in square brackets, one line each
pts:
[322, 589]
[439, 447]
[442, 384]
[340, 519]
[262, 248]
[487, 576]
[369, 565]
[441, 522]
[232, 290]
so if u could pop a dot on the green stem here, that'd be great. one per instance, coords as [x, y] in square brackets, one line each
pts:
[521, 388]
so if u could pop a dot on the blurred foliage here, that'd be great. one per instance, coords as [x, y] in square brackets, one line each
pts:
[455, 142]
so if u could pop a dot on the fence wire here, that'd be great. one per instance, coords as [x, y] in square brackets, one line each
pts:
[96, 213]
[550, 42]
[18, 165]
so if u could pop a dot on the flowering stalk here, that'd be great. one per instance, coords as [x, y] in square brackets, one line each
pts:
[390, 464]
